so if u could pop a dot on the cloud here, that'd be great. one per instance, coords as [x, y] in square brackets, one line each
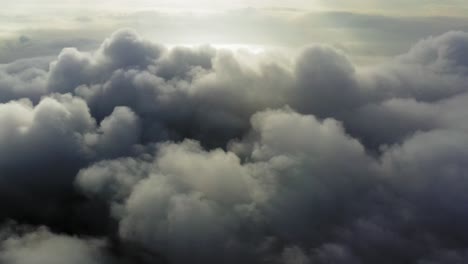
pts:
[186, 194]
[36, 246]
[43, 147]
[171, 210]
[366, 35]
[208, 155]
[25, 78]
[318, 93]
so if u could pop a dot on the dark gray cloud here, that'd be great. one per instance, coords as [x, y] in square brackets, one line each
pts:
[185, 195]
[206, 155]
[43, 147]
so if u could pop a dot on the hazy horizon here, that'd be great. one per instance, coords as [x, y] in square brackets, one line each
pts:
[369, 31]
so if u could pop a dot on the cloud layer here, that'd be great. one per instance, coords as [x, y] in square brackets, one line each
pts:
[147, 154]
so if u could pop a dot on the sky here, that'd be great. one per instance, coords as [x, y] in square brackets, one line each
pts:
[368, 30]
[256, 132]
[411, 7]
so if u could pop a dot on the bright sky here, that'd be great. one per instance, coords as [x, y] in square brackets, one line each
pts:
[400, 6]
[141, 4]
[367, 28]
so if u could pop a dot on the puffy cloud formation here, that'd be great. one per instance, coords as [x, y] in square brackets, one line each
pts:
[186, 199]
[44, 146]
[43, 247]
[205, 155]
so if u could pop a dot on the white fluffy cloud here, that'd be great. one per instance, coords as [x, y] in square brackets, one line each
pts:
[43, 247]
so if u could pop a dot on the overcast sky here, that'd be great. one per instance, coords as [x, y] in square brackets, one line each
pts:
[368, 30]
[400, 6]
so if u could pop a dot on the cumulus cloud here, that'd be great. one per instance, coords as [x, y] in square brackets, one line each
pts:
[23, 78]
[43, 147]
[36, 246]
[205, 155]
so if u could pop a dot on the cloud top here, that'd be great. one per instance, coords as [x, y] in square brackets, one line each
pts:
[145, 154]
